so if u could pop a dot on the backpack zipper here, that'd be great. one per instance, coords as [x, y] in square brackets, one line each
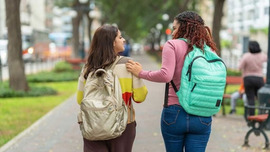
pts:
[193, 87]
[190, 65]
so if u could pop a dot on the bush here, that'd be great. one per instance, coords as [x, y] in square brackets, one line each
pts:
[62, 67]
[6, 92]
[231, 72]
[54, 76]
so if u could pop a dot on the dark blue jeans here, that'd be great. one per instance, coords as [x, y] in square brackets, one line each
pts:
[181, 130]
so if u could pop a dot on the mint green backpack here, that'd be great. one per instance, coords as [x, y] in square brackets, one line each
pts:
[203, 81]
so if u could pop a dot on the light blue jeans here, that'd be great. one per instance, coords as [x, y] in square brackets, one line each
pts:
[181, 130]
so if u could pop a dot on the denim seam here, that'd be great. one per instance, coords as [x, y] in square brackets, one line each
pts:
[188, 120]
[204, 122]
[174, 119]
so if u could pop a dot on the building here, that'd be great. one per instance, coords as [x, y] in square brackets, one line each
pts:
[36, 24]
[2, 19]
[242, 14]
[247, 20]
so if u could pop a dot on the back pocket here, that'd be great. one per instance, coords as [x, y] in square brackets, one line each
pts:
[170, 116]
[206, 120]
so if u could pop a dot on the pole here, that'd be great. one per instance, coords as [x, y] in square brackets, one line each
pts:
[1, 75]
[268, 61]
[264, 92]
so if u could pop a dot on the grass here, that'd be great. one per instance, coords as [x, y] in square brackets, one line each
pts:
[239, 108]
[232, 88]
[16, 114]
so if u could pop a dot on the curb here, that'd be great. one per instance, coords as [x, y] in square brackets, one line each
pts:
[32, 127]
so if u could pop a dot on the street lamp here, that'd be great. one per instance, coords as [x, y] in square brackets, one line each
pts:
[264, 92]
[159, 27]
[83, 1]
[165, 18]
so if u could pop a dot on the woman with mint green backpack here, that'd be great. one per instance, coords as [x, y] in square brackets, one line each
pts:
[181, 131]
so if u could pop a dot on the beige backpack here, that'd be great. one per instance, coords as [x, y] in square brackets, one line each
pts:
[103, 114]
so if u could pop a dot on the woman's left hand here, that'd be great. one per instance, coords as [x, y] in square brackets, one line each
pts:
[134, 67]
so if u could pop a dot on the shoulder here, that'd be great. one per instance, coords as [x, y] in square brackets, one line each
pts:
[124, 60]
[263, 56]
[179, 47]
[246, 57]
[175, 43]
[247, 54]
[120, 68]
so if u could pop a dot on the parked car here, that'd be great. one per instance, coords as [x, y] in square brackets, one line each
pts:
[3, 52]
[28, 54]
[137, 48]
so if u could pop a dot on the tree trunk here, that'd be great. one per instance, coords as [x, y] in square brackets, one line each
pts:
[90, 20]
[17, 78]
[218, 14]
[184, 6]
[75, 33]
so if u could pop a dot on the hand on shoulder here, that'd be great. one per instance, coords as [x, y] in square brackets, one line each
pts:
[134, 67]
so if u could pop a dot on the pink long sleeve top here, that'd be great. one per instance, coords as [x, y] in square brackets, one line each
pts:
[251, 64]
[173, 55]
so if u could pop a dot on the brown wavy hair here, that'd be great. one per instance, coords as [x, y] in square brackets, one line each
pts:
[101, 53]
[193, 29]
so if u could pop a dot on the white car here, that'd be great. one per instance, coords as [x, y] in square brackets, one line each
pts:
[3, 51]
[137, 48]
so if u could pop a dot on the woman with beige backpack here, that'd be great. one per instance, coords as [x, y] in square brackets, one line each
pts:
[103, 56]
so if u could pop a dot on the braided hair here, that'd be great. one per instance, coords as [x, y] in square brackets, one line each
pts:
[193, 29]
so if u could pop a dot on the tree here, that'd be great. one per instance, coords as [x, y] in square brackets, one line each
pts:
[134, 17]
[218, 14]
[76, 21]
[174, 7]
[137, 17]
[17, 78]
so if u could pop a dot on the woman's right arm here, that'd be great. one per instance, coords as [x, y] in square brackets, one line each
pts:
[166, 72]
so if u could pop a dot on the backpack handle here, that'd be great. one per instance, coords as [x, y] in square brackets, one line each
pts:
[101, 71]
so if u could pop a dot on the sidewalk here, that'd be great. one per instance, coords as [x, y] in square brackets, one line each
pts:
[58, 131]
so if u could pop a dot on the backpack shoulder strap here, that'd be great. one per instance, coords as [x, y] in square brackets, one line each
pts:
[115, 62]
[182, 39]
[174, 86]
